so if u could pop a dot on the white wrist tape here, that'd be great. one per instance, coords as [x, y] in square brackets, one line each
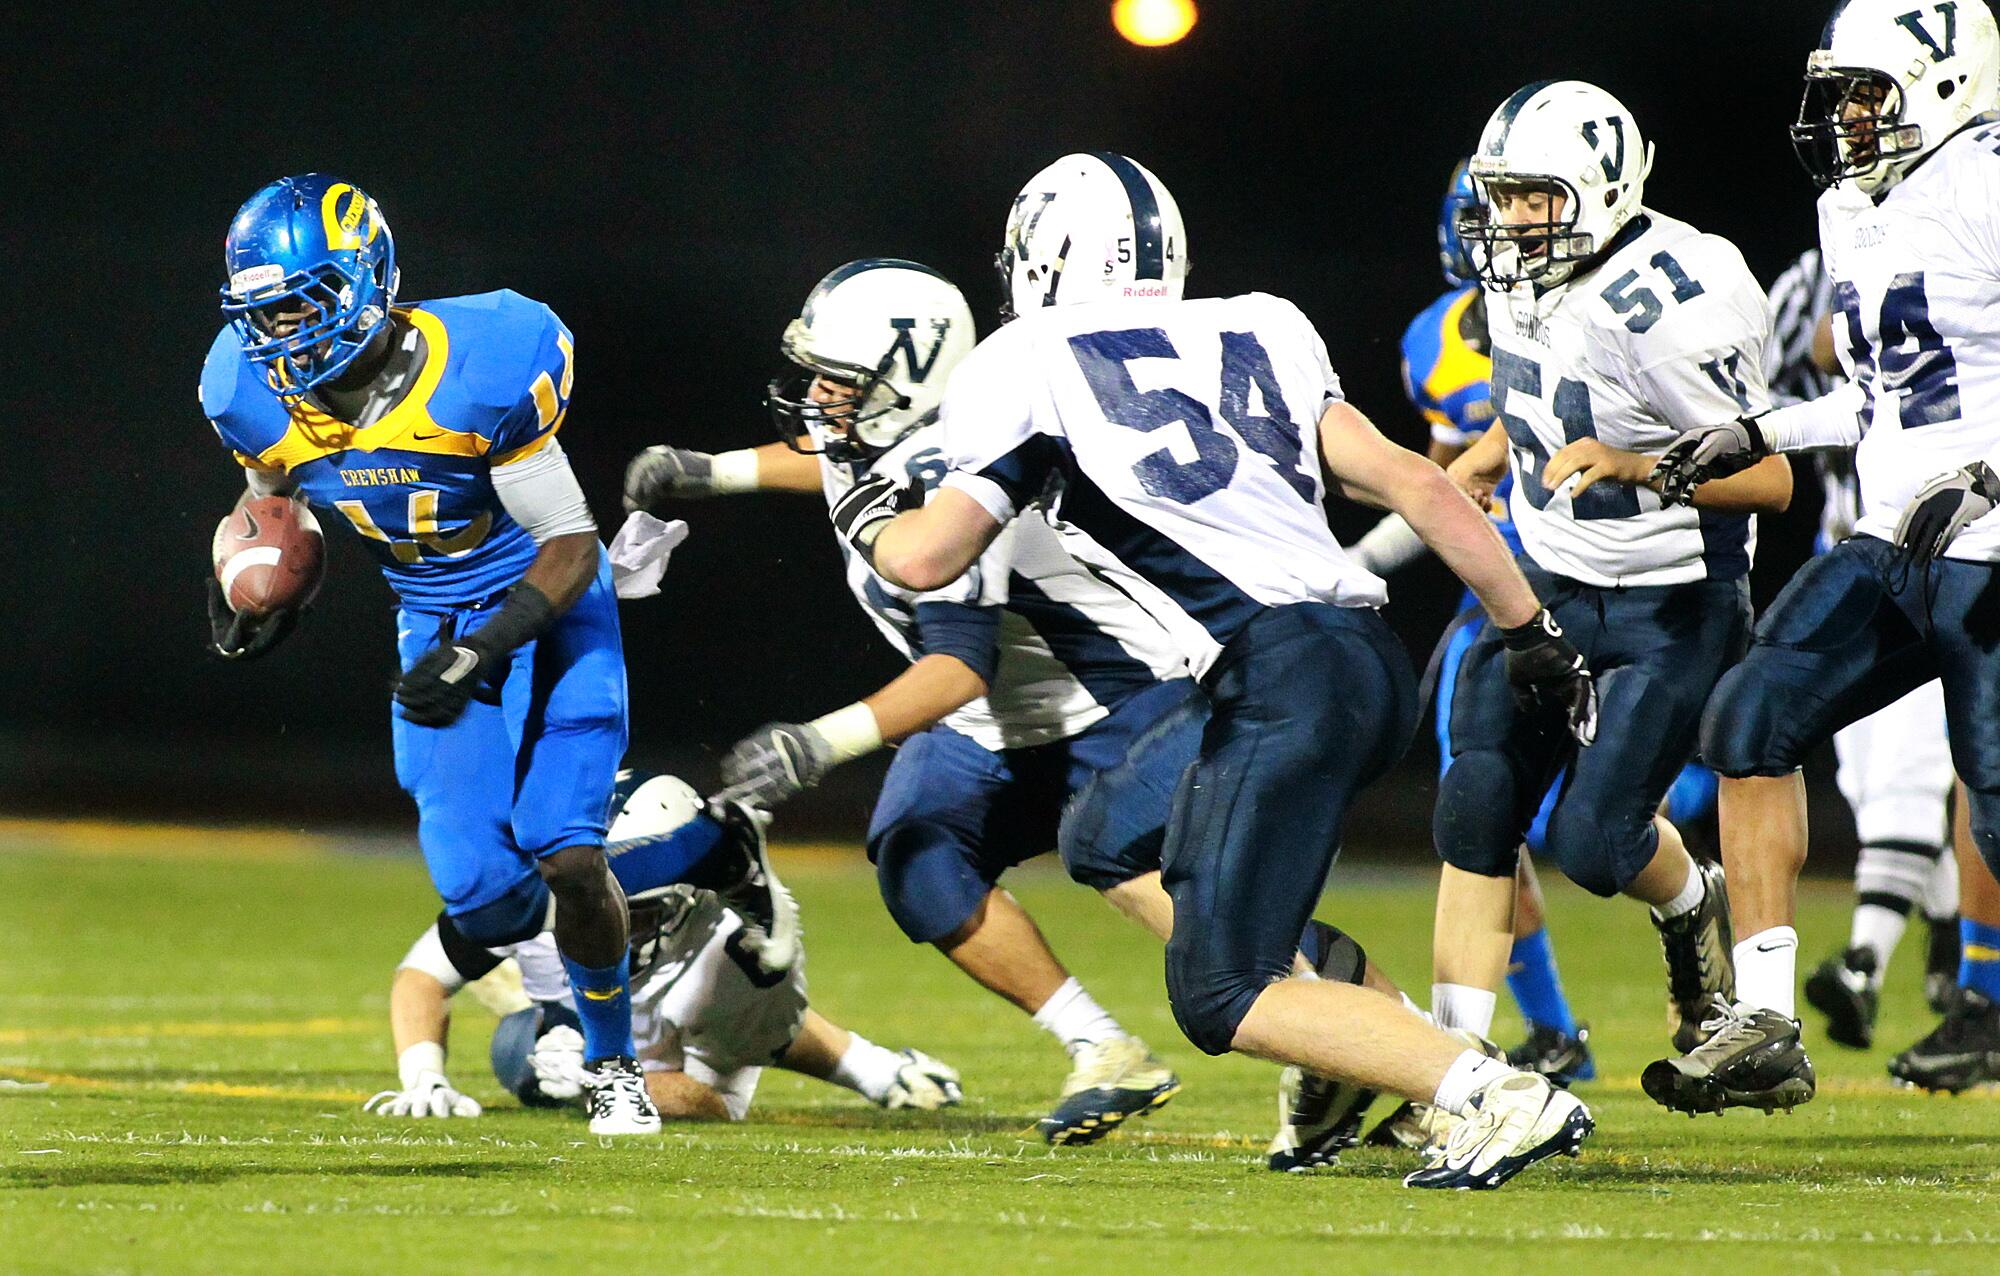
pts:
[733, 471]
[851, 731]
[413, 1063]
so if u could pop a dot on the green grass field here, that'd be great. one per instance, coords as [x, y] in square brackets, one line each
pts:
[206, 1014]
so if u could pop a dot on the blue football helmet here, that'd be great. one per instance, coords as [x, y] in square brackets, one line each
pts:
[1458, 196]
[315, 250]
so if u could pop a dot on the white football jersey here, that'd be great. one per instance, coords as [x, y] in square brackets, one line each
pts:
[1800, 299]
[1071, 646]
[1916, 280]
[1183, 440]
[1667, 334]
[701, 1005]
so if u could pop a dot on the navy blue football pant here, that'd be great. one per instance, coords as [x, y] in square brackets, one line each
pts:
[1308, 704]
[1656, 651]
[954, 815]
[525, 771]
[1857, 629]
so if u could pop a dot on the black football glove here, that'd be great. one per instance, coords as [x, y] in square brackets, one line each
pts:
[778, 760]
[1709, 452]
[1548, 675]
[436, 689]
[860, 516]
[236, 635]
[1943, 508]
[662, 473]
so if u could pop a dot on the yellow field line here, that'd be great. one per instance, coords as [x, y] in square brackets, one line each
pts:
[323, 1027]
[223, 1089]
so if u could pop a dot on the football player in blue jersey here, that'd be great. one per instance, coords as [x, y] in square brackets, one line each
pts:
[431, 429]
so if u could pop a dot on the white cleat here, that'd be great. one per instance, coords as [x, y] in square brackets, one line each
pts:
[924, 1084]
[1520, 1119]
[618, 1100]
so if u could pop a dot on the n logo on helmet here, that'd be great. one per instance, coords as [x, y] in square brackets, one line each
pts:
[1612, 162]
[906, 344]
[1913, 23]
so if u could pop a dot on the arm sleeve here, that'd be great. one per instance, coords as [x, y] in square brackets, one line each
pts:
[1832, 420]
[970, 633]
[540, 492]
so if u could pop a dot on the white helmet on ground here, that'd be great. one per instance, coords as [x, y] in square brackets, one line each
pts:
[1091, 227]
[891, 329]
[1889, 82]
[1561, 138]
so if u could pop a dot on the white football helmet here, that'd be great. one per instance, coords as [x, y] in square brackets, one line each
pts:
[1562, 138]
[893, 330]
[1090, 227]
[1889, 82]
[644, 805]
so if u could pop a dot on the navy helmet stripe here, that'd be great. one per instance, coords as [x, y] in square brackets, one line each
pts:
[1512, 107]
[841, 274]
[1149, 253]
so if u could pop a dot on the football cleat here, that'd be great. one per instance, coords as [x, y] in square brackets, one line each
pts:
[1941, 962]
[1843, 989]
[1961, 1052]
[618, 1100]
[923, 1083]
[1108, 1082]
[1751, 1058]
[1318, 1119]
[1562, 1057]
[1520, 1119]
[1419, 1126]
[770, 914]
[1701, 968]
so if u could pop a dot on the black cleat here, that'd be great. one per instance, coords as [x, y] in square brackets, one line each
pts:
[1941, 962]
[1555, 1054]
[1751, 1059]
[1701, 968]
[1961, 1052]
[1318, 1119]
[1843, 989]
[770, 913]
[1109, 1082]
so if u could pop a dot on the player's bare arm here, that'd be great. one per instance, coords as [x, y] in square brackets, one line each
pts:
[1478, 469]
[926, 548]
[1764, 488]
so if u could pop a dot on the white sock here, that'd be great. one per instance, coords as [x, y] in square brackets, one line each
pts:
[1767, 970]
[866, 1068]
[1461, 1006]
[1689, 899]
[1074, 1019]
[1470, 1073]
[1879, 930]
[1941, 889]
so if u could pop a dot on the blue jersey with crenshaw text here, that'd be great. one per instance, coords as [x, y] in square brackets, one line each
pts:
[416, 483]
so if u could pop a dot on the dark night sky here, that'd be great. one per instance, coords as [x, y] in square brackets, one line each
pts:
[673, 179]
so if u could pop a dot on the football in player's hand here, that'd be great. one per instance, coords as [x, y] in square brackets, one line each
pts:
[269, 555]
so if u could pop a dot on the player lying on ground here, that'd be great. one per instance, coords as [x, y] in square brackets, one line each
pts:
[1896, 128]
[1613, 328]
[1185, 447]
[1895, 764]
[708, 1016]
[430, 428]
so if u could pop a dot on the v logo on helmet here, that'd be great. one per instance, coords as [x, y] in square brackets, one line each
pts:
[1913, 23]
[1612, 163]
[906, 344]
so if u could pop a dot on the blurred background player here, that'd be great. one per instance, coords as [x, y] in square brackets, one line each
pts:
[709, 1017]
[1612, 328]
[431, 428]
[1895, 127]
[1311, 697]
[1895, 764]
[1028, 678]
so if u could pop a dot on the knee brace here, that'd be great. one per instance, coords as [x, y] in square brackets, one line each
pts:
[1332, 953]
[928, 878]
[522, 913]
[1599, 852]
[1476, 825]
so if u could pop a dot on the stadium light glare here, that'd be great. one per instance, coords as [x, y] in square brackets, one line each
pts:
[1153, 23]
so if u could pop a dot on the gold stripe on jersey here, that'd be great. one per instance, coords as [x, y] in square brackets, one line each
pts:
[407, 427]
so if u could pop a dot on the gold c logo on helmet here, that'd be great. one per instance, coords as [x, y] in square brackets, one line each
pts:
[343, 223]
